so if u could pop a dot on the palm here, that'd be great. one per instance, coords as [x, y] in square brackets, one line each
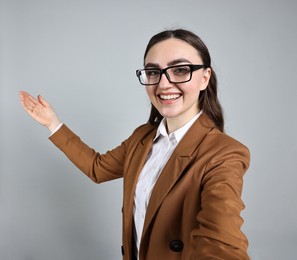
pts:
[39, 110]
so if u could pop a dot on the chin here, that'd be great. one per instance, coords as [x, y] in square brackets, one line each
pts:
[169, 115]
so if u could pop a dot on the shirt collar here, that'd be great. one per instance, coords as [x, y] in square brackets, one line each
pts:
[177, 134]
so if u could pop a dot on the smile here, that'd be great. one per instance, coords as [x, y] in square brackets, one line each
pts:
[169, 97]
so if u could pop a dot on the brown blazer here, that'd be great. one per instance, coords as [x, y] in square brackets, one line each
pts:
[194, 209]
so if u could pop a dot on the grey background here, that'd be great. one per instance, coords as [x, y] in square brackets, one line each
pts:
[81, 56]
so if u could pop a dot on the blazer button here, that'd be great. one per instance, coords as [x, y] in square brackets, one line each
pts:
[176, 245]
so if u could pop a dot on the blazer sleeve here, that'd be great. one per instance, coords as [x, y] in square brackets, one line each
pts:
[98, 167]
[219, 234]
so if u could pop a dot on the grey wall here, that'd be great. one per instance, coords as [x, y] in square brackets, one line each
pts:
[82, 55]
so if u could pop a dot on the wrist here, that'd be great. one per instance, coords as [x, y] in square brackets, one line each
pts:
[54, 125]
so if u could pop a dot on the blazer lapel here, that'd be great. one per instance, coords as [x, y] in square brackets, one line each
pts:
[176, 165]
[139, 156]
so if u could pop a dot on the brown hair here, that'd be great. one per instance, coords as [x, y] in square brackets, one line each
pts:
[208, 100]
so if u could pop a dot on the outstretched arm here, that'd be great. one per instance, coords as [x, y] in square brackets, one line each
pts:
[39, 110]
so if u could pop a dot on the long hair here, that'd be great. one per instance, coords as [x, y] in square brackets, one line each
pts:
[208, 100]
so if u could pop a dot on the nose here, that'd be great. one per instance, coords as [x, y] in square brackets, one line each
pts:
[164, 81]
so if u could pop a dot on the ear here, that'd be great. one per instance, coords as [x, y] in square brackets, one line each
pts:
[205, 79]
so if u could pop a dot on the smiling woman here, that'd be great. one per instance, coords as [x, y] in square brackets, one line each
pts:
[176, 95]
[186, 41]
[182, 174]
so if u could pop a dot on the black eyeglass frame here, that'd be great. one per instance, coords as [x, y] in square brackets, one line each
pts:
[193, 67]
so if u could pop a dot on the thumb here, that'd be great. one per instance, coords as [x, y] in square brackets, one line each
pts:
[42, 101]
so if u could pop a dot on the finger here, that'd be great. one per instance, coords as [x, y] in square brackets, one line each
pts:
[28, 102]
[31, 99]
[42, 101]
[24, 95]
[27, 98]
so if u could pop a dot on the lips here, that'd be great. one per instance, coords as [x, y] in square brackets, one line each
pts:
[169, 97]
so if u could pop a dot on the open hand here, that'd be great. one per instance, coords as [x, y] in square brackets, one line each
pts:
[39, 110]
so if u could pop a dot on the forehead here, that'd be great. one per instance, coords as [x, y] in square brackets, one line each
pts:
[172, 49]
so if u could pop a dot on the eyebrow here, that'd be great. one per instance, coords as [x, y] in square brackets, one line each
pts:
[171, 63]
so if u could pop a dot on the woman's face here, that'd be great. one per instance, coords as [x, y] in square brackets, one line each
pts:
[178, 103]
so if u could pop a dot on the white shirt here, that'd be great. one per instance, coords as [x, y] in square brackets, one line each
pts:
[162, 148]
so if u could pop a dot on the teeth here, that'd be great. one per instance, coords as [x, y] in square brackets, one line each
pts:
[167, 97]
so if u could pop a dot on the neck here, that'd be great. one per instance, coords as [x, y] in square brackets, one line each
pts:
[173, 124]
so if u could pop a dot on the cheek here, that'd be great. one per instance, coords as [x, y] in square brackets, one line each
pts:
[191, 89]
[150, 91]
[197, 79]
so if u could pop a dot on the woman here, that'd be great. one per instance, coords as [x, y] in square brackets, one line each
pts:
[182, 174]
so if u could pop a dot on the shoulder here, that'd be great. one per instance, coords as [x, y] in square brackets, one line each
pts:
[209, 139]
[223, 140]
[222, 148]
[215, 138]
[215, 146]
[142, 132]
[144, 129]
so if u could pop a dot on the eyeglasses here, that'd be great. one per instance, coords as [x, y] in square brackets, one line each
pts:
[174, 74]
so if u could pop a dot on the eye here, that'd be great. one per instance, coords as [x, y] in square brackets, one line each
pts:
[152, 73]
[182, 70]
